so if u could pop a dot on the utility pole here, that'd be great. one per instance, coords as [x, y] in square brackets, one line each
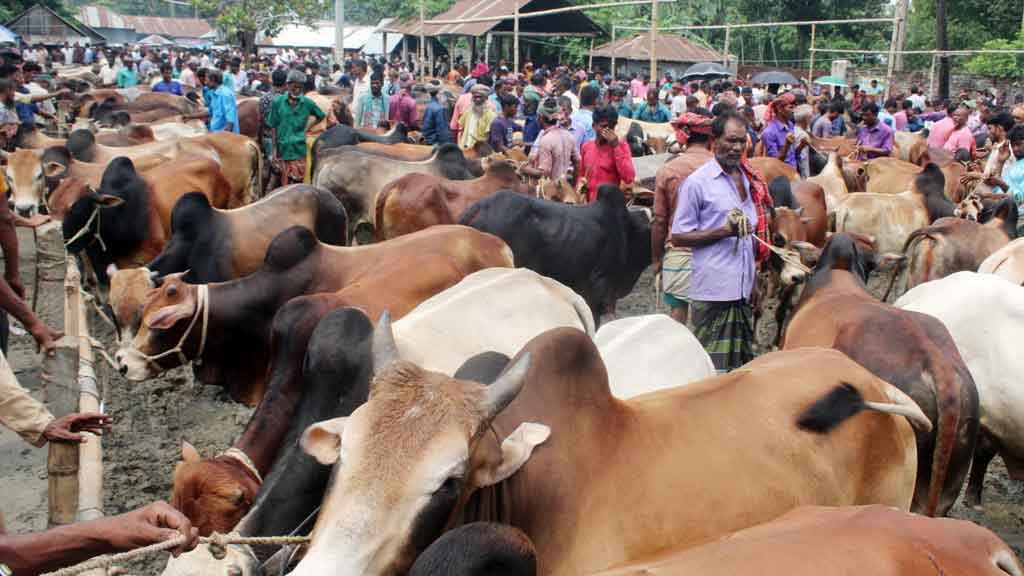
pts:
[942, 43]
[901, 37]
[339, 32]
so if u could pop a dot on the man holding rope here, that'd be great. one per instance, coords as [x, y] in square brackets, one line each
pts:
[720, 206]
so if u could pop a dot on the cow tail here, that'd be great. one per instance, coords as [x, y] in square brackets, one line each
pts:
[948, 387]
[902, 273]
[845, 402]
[378, 220]
[255, 165]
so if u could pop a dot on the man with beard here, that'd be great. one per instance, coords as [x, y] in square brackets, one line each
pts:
[372, 107]
[606, 159]
[290, 117]
[475, 122]
[8, 114]
[720, 205]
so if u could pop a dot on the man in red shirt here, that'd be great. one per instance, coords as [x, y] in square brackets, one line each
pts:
[402, 106]
[606, 160]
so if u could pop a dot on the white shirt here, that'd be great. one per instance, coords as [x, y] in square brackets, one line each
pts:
[69, 55]
[30, 55]
[678, 104]
[359, 87]
[187, 78]
[241, 80]
[46, 105]
[918, 101]
[572, 98]
[108, 75]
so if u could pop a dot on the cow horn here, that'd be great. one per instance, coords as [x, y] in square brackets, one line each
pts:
[385, 351]
[505, 388]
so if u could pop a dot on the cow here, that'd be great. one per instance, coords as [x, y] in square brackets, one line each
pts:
[1007, 262]
[891, 218]
[985, 315]
[954, 245]
[599, 250]
[912, 351]
[127, 220]
[28, 136]
[561, 190]
[520, 451]
[833, 182]
[416, 201]
[356, 178]
[477, 549]
[772, 168]
[232, 342]
[657, 136]
[647, 353]
[444, 331]
[148, 107]
[815, 540]
[213, 245]
[892, 176]
[345, 135]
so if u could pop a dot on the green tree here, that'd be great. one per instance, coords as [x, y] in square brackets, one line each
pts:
[998, 65]
[241, 20]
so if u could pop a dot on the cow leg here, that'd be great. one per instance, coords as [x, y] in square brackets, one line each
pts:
[985, 450]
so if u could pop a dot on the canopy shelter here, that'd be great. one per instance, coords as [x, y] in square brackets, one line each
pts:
[7, 36]
[155, 40]
[498, 34]
[675, 53]
[367, 39]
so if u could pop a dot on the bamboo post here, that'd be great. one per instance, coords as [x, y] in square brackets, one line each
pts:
[515, 37]
[654, 40]
[421, 48]
[451, 52]
[90, 454]
[725, 51]
[613, 51]
[810, 67]
[590, 61]
[47, 299]
[931, 76]
[892, 55]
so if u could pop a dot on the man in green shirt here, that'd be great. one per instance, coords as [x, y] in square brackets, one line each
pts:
[289, 119]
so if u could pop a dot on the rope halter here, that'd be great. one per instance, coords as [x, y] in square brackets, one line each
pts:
[87, 230]
[203, 309]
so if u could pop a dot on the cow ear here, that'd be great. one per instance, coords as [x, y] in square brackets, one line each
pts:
[322, 440]
[107, 200]
[516, 449]
[189, 453]
[53, 169]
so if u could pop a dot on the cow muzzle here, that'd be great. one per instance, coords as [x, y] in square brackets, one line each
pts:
[133, 365]
[25, 209]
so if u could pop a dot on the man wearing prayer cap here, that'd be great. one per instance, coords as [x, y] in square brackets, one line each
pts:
[475, 121]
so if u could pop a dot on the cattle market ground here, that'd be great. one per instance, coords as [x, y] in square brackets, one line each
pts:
[151, 419]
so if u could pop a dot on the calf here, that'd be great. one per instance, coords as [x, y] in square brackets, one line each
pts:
[528, 439]
[233, 340]
[127, 221]
[599, 250]
[212, 245]
[912, 351]
[416, 201]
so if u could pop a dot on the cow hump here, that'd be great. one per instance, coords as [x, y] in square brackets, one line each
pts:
[290, 247]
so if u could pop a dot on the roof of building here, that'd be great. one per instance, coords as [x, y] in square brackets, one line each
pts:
[103, 17]
[669, 47]
[75, 25]
[568, 23]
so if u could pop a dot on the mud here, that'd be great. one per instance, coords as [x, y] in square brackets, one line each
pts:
[151, 419]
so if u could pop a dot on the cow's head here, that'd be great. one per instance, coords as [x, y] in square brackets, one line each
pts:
[559, 191]
[970, 208]
[851, 253]
[789, 235]
[26, 175]
[128, 290]
[238, 561]
[213, 493]
[406, 462]
[166, 317]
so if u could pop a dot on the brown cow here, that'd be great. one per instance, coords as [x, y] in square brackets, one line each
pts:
[812, 541]
[912, 351]
[400, 151]
[953, 244]
[833, 181]
[237, 314]
[893, 176]
[416, 201]
[521, 451]
[772, 168]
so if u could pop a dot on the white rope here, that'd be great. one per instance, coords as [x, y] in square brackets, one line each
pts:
[85, 230]
[202, 309]
[245, 460]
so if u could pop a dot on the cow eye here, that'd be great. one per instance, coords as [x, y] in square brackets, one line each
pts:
[450, 486]
[172, 291]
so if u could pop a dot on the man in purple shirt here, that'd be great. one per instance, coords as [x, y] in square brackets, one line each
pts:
[779, 140]
[402, 106]
[713, 202]
[874, 138]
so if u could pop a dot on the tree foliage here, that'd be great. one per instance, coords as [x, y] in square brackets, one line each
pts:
[243, 19]
[998, 65]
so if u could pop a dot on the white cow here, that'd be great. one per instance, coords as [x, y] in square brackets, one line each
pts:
[648, 353]
[1007, 262]
[985, 316]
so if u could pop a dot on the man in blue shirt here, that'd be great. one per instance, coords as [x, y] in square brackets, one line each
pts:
[223, 109]
[583, 119]
[435, 124]
[652, 110]
[166, 84]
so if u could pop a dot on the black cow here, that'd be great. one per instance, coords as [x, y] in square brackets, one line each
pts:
[345, 135]
[217, 245]
[478, 549]
[599, 250]
[931, 183]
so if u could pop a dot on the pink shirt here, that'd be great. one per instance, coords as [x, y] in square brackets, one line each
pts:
[402, 108]
[553, 154]
[900, 118]
[637, 88]
[940, 131]
[962, 138]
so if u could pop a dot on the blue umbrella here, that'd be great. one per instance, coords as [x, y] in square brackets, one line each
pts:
[7, 36]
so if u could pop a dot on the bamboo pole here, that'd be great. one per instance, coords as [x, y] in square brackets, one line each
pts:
[421, 49]
[590, 61]
[760, 24]
[892, 55]
[515, 36]
[654, 40]
[810, 67]
[925, 52]
[613, 52]
[725, 51]
[451, 53]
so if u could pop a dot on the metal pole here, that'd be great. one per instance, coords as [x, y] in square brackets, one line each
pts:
[339, 31]
[892, 55]
[654, 40]
[725, 51]
[613, 51]
[810, 67]
[515, 36]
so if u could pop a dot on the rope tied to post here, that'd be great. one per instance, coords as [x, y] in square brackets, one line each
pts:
[217, 543]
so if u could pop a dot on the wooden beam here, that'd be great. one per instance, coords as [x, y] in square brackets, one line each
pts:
[613, 52]
[62, 459]
[515, 35]
[725, 51]
[550, 12]
[891, 64]
[654, 41]
[810, 67]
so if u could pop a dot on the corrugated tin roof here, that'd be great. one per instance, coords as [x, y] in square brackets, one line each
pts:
[670, 48]
[481, 8]
[79, 27]
[103, 17]
[366, 38]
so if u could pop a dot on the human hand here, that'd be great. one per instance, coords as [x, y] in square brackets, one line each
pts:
[151, 524]
[610, 137]
[34, 221]
[790, 138]
[69, 428]
[14, 281]
[1004, 152]
[45, 336]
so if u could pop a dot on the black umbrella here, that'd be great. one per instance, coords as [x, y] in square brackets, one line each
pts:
[706, 69]
[775, 77]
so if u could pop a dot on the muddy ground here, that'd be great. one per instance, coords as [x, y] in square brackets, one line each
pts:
[151, 419]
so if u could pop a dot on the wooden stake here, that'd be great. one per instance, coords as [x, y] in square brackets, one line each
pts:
[725, 51]
[62, 460]
[654, 40]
